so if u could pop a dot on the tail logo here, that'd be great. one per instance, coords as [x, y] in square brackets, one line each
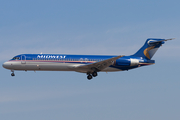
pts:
[146, 51]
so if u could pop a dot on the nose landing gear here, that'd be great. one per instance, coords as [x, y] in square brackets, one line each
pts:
[12, 74]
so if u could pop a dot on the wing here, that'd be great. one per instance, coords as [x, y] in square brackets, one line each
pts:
[97, 66]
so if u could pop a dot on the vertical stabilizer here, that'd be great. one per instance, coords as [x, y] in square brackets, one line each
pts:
[150, 47]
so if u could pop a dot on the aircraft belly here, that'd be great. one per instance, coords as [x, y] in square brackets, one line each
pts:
[50, 66]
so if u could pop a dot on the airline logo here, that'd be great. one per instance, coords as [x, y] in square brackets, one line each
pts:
[51, 56]
[146, 51]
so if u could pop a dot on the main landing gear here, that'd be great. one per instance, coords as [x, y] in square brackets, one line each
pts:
[91, 75]
[12, 74]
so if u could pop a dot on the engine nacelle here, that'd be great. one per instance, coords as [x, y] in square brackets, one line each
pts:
[127, 62]
[134, 62]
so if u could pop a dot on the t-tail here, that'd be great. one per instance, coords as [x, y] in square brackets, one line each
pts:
[150, 47]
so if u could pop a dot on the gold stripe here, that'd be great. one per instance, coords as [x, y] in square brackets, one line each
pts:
[146, 51]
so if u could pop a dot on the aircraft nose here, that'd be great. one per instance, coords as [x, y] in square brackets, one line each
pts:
[6, 65]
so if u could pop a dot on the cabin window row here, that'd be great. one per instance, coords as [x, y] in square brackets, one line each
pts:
[69, 59]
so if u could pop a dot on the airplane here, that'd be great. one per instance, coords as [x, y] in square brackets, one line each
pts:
[89, 64]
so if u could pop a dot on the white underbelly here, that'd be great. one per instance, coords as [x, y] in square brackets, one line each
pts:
[52, 66]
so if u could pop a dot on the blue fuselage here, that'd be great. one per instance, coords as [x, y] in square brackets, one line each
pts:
[63, 62]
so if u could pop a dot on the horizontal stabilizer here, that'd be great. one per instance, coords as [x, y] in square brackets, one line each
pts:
[158, 41]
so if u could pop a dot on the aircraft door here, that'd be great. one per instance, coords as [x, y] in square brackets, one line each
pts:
[81, 59]
[86, 60]
[23, 59]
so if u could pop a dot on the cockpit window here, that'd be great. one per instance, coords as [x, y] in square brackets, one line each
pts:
[16, 58]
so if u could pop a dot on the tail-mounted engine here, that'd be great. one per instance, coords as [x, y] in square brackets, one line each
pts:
[134, 62]
[127, 62]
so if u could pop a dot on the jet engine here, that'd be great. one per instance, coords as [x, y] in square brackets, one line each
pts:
[127, 62]
[134, 62]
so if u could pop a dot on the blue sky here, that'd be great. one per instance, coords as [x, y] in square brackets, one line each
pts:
[90, 27]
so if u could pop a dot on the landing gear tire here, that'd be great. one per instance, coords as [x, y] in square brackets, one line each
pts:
[89, 77]
[12, 74]
[94, 74]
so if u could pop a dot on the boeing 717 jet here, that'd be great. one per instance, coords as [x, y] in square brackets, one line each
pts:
[89, 64]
